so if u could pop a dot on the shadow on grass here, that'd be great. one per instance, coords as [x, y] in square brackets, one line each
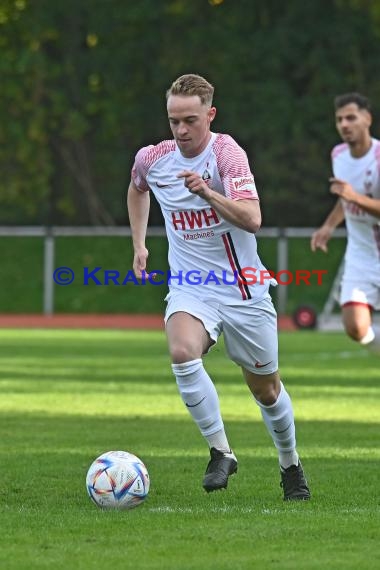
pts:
[104, 365]
[46, 458]
[36, 432]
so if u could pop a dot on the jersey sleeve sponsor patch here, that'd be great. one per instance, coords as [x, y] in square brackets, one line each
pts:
[243, 187]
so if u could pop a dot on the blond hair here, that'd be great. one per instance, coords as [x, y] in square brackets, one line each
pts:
[192, 84]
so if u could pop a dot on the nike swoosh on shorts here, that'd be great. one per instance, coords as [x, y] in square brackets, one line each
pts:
[259, 365]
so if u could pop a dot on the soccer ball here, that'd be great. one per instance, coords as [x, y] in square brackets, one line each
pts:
[117, 480]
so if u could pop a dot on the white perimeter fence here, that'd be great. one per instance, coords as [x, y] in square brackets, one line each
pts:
[50, 233]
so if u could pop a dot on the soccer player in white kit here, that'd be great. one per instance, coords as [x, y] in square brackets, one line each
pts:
[204, 185]
[356, 182]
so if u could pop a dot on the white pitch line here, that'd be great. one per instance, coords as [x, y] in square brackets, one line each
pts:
[343, 355]
[247, 510]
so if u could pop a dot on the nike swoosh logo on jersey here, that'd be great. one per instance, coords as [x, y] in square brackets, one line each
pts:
[197, 404]
[162, 185]
[259, 365]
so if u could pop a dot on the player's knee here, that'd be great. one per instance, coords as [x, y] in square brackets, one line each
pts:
[265, 393]
[264, 388]
[266, 397]
[181, 353]
[356, 331]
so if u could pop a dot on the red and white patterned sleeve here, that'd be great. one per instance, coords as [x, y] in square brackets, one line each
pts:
[377, 155]
[234, 170]
[140, 169]
[145, 158]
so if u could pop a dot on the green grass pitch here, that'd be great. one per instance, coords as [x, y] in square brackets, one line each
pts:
[68, 396]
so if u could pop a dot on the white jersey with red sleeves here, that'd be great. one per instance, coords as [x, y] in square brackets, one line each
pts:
[203, 247]
[363, 230]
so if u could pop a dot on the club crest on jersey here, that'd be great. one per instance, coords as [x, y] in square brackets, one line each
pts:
[206, 176]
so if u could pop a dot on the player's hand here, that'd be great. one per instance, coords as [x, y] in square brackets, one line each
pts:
[195, 183]
[320, 238]
[139, 262]
[342, 189]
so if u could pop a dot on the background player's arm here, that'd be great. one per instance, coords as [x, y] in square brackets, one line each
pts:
[320, 237]
[244, 214]
[138, 209]
[346, 192]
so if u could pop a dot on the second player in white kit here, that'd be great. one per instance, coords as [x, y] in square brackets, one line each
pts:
[356, 182]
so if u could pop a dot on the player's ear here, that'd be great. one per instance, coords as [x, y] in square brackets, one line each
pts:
[368, 118]
[211, 114]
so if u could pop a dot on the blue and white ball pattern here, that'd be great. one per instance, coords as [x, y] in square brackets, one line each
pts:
[117, 480]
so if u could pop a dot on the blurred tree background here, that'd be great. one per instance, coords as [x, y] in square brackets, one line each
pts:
[82, 88]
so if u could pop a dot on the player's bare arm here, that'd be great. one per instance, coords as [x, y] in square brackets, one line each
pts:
[244, 214]
[346, 192]
[138, 209]
[320, 238]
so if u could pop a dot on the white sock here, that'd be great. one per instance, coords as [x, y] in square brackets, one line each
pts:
[219, 441]
[368, 337]
[279, 420]
[372, 339]
[288, 458]
[201, 399]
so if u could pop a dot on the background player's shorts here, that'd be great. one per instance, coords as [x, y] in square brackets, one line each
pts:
[359, 291]
[249, 329]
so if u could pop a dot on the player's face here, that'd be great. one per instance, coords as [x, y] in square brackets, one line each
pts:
[352, 123]
[190, 123]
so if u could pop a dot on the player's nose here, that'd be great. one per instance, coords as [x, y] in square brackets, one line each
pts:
[182, 129]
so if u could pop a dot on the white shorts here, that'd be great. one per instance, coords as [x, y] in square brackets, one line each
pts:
[359, 291]
[249, 330]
